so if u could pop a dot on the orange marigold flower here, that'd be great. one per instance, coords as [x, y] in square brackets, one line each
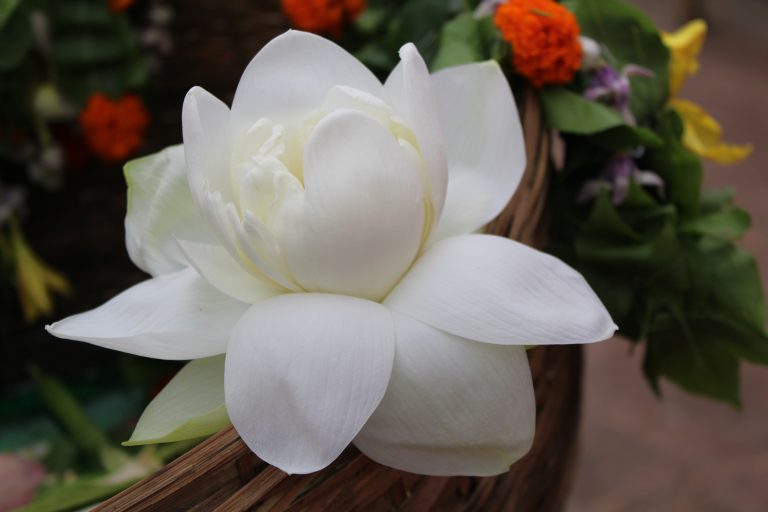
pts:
[545, 40]
[114, 129]
[322, 16]
[120, 5]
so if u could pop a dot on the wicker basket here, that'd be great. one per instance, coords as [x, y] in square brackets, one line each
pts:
[216, 40]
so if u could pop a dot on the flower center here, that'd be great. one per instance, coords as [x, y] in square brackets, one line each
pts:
[268, 188]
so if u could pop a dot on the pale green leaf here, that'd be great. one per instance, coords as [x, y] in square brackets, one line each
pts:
[190, 406]
[160, 210]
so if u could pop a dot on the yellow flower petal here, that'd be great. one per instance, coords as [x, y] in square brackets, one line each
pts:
[684, 46]
[703, 135]
[35, 280]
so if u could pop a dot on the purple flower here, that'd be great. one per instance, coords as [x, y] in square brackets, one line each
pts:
[612, 88]
[616, 176]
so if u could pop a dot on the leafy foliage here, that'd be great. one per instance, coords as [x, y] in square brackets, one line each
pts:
[665, 264]
[667, 267]
[468, 39]
[83, 48]
[386, 25]
[93, 49]
[629, 37]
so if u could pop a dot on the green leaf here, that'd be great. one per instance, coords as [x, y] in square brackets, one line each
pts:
[467, 39]
[631, 38]
[638, 198]
[460, 43]
[376, 55]
[653, 253]
[681, 171]
[78, 84]
[80, 14]
[92, 54]
[570, 112]
[134, 72]
[419, 23]
[729, 224]
[15, 37]
[695, 359]
[6, 9]
[88, 49]
[605, 221]
[614, 289]
[371, 19]
[726, 280]
[715, 200]
[738, 338]
[190, 406]
[85, 434]
[627, 137]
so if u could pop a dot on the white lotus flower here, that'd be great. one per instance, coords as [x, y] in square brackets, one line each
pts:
[319, 235]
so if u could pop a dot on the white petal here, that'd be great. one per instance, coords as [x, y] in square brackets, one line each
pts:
[453, 406]
[219, 268]
[483, 144]
[361, 221]
[292, 74]
[206, 128]
[409, 90]
[206, 124]
[159, 208]
[191, 405]
[303, 374]
[174, 316]
[495, 290]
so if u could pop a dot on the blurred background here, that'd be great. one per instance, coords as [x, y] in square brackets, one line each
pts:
[638, 453]
[685, 453]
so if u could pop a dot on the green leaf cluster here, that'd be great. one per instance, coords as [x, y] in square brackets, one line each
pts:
[667, 266]
[467, 39]
[570, 112]
[386, 25]
[628, 36]
[82, 46]
[93, 49]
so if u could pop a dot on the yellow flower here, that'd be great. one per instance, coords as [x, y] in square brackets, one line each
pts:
[702, 134]
[684, 48]
[35, 280]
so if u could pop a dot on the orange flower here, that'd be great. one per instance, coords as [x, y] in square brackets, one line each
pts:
[322, 16]
[114, 129]
[545, 40]
[120, 5]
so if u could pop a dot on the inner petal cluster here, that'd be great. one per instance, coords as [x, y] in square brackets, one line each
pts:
[309, 185]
